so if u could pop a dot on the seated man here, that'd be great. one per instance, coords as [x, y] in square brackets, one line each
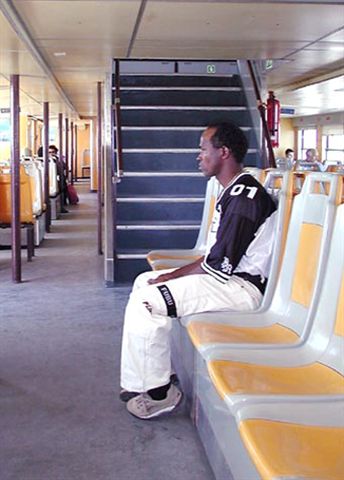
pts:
[231, 276]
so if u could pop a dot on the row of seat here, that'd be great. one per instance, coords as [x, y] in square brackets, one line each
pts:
[32, 206]
[270, 384]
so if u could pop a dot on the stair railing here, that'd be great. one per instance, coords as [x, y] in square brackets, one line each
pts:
[266, 140]
[119, 156]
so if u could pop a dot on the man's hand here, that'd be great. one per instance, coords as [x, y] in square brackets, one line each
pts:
[165, 277]
[191, 269]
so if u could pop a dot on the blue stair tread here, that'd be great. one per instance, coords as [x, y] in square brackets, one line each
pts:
[158, 223]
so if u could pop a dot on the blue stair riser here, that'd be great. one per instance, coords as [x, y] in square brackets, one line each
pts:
[168, 139]
[159, 162]
[127, 270]
[162, 186]
[169, 162]
[182, 97]
[141, 211]
[166, 118]
[155, 239]
[178, 81]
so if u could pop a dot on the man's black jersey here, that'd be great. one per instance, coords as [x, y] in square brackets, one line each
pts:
[241, 236]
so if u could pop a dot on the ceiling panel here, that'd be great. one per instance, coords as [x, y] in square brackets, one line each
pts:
[91, 32]
[230, 23]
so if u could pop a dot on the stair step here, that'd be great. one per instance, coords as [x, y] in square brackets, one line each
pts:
[182, 97]
[179, 80]
[161, 174]
[143, 209]
[165, 185]
[180, 89]
[159, 225]
[144, 138]
[183, 117]
[127, 269]
[156, 238]
[162, 160]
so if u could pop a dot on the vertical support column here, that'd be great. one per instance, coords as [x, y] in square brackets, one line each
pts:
[71, 153]
[109, 185]
[46, 164]
[93, 156]
[15, 180]
[76, 152]
[99, 164]
[60, 164]
[66, 149]
[319, 142]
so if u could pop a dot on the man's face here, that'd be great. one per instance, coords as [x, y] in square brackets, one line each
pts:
[52, 151]
[210, 158]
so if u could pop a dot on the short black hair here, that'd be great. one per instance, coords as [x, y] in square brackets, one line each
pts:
[53, 147]
[289, 150]
[230, 136]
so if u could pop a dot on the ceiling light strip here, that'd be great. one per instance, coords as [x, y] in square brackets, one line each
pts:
[136, 27]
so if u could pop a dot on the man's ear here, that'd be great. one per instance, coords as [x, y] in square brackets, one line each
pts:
[226, 152]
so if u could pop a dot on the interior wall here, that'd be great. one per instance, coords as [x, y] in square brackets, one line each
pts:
[332, 123]
[287, 137]
[84, 146]
[4, 150]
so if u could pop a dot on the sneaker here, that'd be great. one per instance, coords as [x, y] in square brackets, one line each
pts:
[144, 407]
[125, 395]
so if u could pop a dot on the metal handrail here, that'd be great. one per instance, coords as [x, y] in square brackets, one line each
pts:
[261, 109]
[118, 121]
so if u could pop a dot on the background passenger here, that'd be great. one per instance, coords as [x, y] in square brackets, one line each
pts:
[231, 276]
[61, 168]
[287, 162]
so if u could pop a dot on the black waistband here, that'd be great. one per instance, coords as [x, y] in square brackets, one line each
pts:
[257, 280]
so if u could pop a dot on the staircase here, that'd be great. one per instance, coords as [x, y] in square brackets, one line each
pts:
[165, 106]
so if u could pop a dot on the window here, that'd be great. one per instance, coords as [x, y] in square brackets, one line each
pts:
[333, 148]
[4, 130]
[307, 138]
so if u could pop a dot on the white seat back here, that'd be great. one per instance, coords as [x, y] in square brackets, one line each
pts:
[311, 223]
[329, 318]
[32, 170]
[279, 184]
[211, 194]
[256, 172]
[53, 180]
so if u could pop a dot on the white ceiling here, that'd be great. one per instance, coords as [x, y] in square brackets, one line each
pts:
[306, 40]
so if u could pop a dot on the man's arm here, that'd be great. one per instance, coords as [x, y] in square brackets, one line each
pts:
[190, 269]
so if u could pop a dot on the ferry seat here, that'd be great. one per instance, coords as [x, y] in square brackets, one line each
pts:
[40, 166]
[36, 186]
[165, 259]
[295, 440]
[289, 317]
[258, 173]
[27, 219]
[53, 179]
[313, 369]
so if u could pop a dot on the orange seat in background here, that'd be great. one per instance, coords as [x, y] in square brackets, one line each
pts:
[26, 214]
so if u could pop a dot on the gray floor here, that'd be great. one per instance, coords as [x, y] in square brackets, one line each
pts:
[60, 417]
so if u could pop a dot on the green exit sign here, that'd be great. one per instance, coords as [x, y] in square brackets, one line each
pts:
[211, 68]
[269, 64]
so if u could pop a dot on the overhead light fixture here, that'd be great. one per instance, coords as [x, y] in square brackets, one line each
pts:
[60, 54]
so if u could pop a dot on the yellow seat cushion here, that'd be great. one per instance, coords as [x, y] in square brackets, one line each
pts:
[202, 333]
[151, 258]
[291, 450]
[238, 378]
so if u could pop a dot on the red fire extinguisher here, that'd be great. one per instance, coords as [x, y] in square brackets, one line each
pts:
[273, 111]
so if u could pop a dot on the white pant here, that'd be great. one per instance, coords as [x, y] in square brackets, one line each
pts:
[146, 359]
